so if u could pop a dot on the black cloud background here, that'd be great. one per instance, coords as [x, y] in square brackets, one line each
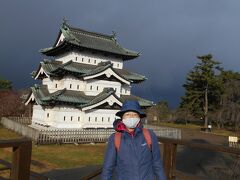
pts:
[169, 33]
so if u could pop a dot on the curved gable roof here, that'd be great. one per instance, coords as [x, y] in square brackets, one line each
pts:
[56, 68]
[41, 95]
[90, 40]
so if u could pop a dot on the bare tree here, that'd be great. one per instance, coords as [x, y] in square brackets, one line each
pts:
[11, 104]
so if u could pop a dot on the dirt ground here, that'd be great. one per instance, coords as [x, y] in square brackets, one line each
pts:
[193, 134]
[207, 164]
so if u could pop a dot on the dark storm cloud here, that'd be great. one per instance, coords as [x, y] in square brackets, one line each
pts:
[170, 34]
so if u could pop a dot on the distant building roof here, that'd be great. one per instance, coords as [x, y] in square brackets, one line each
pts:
[80, 38]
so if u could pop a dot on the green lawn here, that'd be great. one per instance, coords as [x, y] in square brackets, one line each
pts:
[222, 132]
[69, 155]
[47, 157]
[7, 134]
[182, 126]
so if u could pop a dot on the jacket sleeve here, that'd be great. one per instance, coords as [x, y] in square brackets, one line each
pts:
[109, 160]
[157, 162]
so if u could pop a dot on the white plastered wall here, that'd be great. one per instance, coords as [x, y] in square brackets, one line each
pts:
[53, 84]
[91, 87]
[68, 117]
[99, 118]
[72, 83]
[58, 117]
[68, 82]
[38, 114]
[94, 87]
[89, 58]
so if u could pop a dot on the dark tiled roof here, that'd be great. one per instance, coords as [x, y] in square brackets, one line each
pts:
[131, 75]
[100, 97]
[78, 98]
[142, 102]
[90, 40]
[55, 68]
[40, 92]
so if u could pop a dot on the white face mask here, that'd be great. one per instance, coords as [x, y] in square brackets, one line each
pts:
[131, 122]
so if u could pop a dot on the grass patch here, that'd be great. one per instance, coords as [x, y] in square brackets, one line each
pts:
[222, 132]
[7, 134]
[181, 126]
[48, 157]
[68, 155]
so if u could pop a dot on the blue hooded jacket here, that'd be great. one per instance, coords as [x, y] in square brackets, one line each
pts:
[134, 160]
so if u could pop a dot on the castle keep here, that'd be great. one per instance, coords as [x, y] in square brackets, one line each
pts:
[83, 81]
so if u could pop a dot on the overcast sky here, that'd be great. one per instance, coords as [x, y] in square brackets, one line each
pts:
[168, 33]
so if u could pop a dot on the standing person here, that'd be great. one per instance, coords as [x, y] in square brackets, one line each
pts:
[133, 152]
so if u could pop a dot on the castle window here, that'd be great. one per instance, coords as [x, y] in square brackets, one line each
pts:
[82, 59]
[95, 119]
[70, 86]
[55, 85]
[76, 58]
[89, 119]
[102, 119]
[77, 86]
[108, 119]
[64, 118]
[78, 119]
[125, 91]
[48, 115]
[90, 87]
[117, 65]
[95, 61]
[71, 118]
[97, 87]
[89, 60]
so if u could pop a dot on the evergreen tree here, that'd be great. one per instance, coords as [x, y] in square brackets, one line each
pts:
[5, 84]
[202, 88]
